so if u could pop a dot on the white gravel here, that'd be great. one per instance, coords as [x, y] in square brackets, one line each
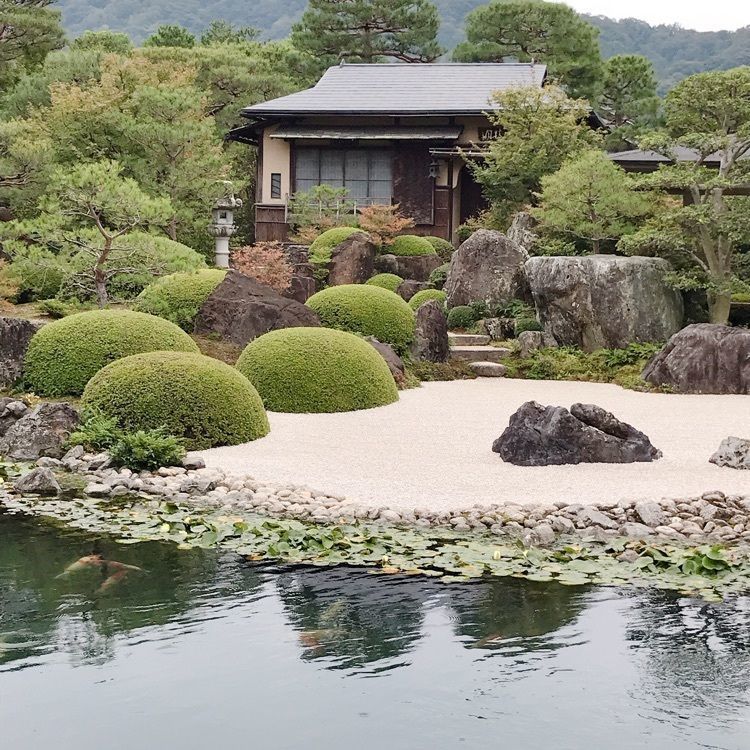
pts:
[432, 449]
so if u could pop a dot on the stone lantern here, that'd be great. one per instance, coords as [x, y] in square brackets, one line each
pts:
[223, 227]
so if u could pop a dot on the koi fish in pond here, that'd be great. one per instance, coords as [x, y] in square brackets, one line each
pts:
[112, 570]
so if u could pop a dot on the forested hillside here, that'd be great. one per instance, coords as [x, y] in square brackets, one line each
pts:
[675, 52]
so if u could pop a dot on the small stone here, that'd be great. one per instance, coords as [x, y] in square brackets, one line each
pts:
[628, 556]
[709, 511]
[650, 513]
[390, 516]
[563, 525]
[48, 462]
[636, 530]
[544, 534]
[39, 481]
[713, 497]
[192, 463]
[97, 490]
[119, 490]
[591, 516]
[488, 369]
[74, 453]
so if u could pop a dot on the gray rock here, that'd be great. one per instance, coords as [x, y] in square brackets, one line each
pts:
[488, 369]
[636, 530]
[352, 261]
[240, 309]
[594, 517]
[97, 489]
[551, 435]
[431, 333]
[499, 329]
[651, 513]
[544, 534]
[734, 453]
[488, 267]
[11, 410]
[521, 231]
[193, 462]
[417, 267]
[41, 432]
[604, 301]
[395, 363]
[563, 525]
[532, 341]
[15, 335]
[39, 481]
[704, 358]
[407, 289]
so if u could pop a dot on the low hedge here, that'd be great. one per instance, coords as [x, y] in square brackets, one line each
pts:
[179, 296]
[410, 244]
[462, 316]
[369, 310]
[425, 295]
[203, 401]
[389, 281]
[63, 355]
[320, 250]
[317, 370]
[442, 247]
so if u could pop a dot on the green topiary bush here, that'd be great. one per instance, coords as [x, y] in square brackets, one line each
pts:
[369, 310]
[63, 355]
[320, 250]
[410, 244]
[203, 401]
[389, 281]
[442, 247]
[439, 276]
[425, 295]
[179, 296]
[317, 370]
[462, 316]
[526, 324]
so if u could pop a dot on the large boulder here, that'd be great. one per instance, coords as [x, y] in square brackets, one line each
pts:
[352, 261]
[15, 334]
[521, 231]
[240, 309]
[39, 481]
[431, 333]
[407, 289]
[733, 453]
[41, 432]
[395, 363]
[417, 267]
[11, 410]
[704, 358]
[551, 435]
[488, 267]
[604, 301]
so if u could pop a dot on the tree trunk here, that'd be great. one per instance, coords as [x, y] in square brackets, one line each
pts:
[596, 245]
[100, 283]
[718, 307]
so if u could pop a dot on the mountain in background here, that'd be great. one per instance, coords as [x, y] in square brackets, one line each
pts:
[675, 52]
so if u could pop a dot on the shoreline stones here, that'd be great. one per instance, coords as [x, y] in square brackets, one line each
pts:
[733, 453]
[710, 518]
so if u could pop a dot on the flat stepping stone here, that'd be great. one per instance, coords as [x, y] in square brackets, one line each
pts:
[480, 353]
[468, 339]
[488, 369]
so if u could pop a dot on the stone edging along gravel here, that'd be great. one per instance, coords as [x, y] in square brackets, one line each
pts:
[713, 517]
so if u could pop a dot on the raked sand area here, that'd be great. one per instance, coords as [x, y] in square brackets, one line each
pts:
[432, 449]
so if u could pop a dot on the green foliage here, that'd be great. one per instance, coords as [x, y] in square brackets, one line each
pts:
[531, 30]
[179, 296]
[96, 433]
[442, 247]
[224, 32]
[147, 450]
[526, 324]
[63, 355]
[439, 276]
[170, 35]
[201, 400]
[316, 370]
[425, 295]
[57, 308]
[369, 32]
[592, 200]
[411, 244]
[629, 93]
[462, 317]
[320, 250]
[389, 281]
[454, 369]
[369, 310]
[103, 41]
[541, 129]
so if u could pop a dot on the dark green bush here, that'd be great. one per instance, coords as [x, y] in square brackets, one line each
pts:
[425, 295]
[455, 369]
[320, 250]
[316, 370]
[369, 310]
[411, 244]
[63, 355]
[146, 450]
[442, 247]
[389, 281]
[201, 400]
[439, 276]
[96, 433]
[179, 296]
[526, 324]
[462, 316]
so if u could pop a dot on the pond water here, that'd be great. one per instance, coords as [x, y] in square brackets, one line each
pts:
[202, 649]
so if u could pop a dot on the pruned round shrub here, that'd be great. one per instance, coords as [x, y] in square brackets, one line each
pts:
[179, 296]
[462, 316]
[203, 401]
[63, 355]
[369, 310]
[320, 250]
[316, 370]
[442, 247]
[389, 281]
[425, 296]
[526, 324]
[439, 276]
[410, 244]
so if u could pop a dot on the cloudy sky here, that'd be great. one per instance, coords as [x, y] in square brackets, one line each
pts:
[692, 14]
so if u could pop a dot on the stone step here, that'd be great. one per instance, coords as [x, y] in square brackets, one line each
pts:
[480, 353]
[468, 339]
[488, 369]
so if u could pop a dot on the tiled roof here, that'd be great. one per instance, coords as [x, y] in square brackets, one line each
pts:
[403, 88]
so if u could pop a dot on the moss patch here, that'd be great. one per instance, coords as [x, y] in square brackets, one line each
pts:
[321, 249]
